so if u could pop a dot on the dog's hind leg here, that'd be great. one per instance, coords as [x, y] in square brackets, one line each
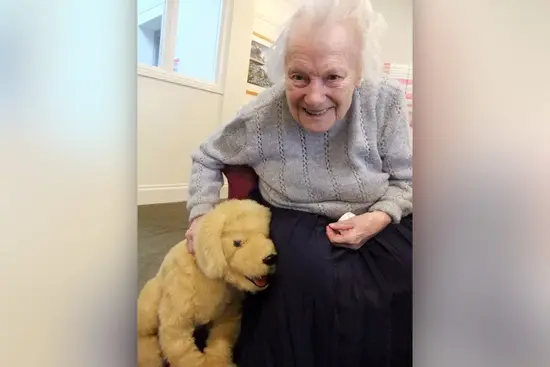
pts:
[149, 354]
[148, 348]
[177, 325]
[222, 338]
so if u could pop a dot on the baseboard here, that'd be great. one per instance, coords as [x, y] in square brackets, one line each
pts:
[171, 193]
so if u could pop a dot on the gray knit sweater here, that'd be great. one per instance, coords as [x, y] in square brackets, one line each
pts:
[363, 163]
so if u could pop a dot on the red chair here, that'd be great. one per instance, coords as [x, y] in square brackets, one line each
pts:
[241, 180]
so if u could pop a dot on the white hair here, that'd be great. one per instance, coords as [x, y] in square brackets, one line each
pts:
[368, 24]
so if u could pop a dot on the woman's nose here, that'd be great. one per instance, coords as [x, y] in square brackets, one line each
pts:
[270, 260]
[315, 95]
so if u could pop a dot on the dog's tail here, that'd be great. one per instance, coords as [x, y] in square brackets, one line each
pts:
[149, 353]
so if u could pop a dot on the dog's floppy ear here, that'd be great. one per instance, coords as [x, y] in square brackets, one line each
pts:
[208, 245]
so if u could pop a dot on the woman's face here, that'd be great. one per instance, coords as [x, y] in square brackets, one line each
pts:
[321, 74]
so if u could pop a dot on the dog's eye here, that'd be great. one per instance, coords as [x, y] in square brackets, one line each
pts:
[237, 243]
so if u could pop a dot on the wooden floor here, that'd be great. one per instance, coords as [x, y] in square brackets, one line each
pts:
[160, 226]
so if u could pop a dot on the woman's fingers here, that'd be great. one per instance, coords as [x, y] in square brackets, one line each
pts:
[342, 226]
[189, 243]
[339, 237]
[190, 235]
[332, 234]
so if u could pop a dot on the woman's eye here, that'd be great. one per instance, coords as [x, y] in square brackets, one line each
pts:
[299, 80]
[237, 243]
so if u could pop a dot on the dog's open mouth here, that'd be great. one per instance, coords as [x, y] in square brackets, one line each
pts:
[260, 282]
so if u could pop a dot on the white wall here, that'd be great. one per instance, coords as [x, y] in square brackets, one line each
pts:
[270, 15]
[397, 44]
[173, 119]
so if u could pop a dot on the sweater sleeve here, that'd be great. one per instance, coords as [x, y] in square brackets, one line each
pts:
[396, 152]
[228, 146]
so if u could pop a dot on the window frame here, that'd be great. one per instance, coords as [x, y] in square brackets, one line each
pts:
[169, 29]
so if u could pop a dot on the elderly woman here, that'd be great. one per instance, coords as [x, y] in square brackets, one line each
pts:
[330, 138]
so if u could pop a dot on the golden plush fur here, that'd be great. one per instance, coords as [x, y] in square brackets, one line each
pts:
[233, 254]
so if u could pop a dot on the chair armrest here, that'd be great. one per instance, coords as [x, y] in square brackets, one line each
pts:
[241, 181]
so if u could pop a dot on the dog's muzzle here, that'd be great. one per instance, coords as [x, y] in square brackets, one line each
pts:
[270, 260]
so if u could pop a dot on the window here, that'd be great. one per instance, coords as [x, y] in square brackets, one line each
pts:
[150, 24]
[181, 39]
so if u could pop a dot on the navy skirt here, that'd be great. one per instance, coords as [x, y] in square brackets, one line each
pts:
[329, 306]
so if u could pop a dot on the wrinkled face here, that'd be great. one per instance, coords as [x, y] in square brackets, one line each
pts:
[322, 72]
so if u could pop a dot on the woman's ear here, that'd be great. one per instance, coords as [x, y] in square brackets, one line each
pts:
[208, 245]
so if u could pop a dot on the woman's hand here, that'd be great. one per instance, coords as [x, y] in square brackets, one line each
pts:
[354, 232]
[190, 234]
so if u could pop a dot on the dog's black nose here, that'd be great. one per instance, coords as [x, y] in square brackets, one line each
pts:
[270, 260]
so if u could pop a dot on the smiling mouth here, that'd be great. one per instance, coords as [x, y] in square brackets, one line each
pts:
[316, 112]
[260, 282]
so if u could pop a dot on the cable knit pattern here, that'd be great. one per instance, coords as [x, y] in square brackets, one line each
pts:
[280, 141]
[363, 163]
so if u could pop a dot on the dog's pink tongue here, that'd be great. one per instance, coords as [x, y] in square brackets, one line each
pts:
[260, 282]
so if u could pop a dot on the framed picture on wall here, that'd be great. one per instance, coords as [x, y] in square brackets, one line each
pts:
[257, 79]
